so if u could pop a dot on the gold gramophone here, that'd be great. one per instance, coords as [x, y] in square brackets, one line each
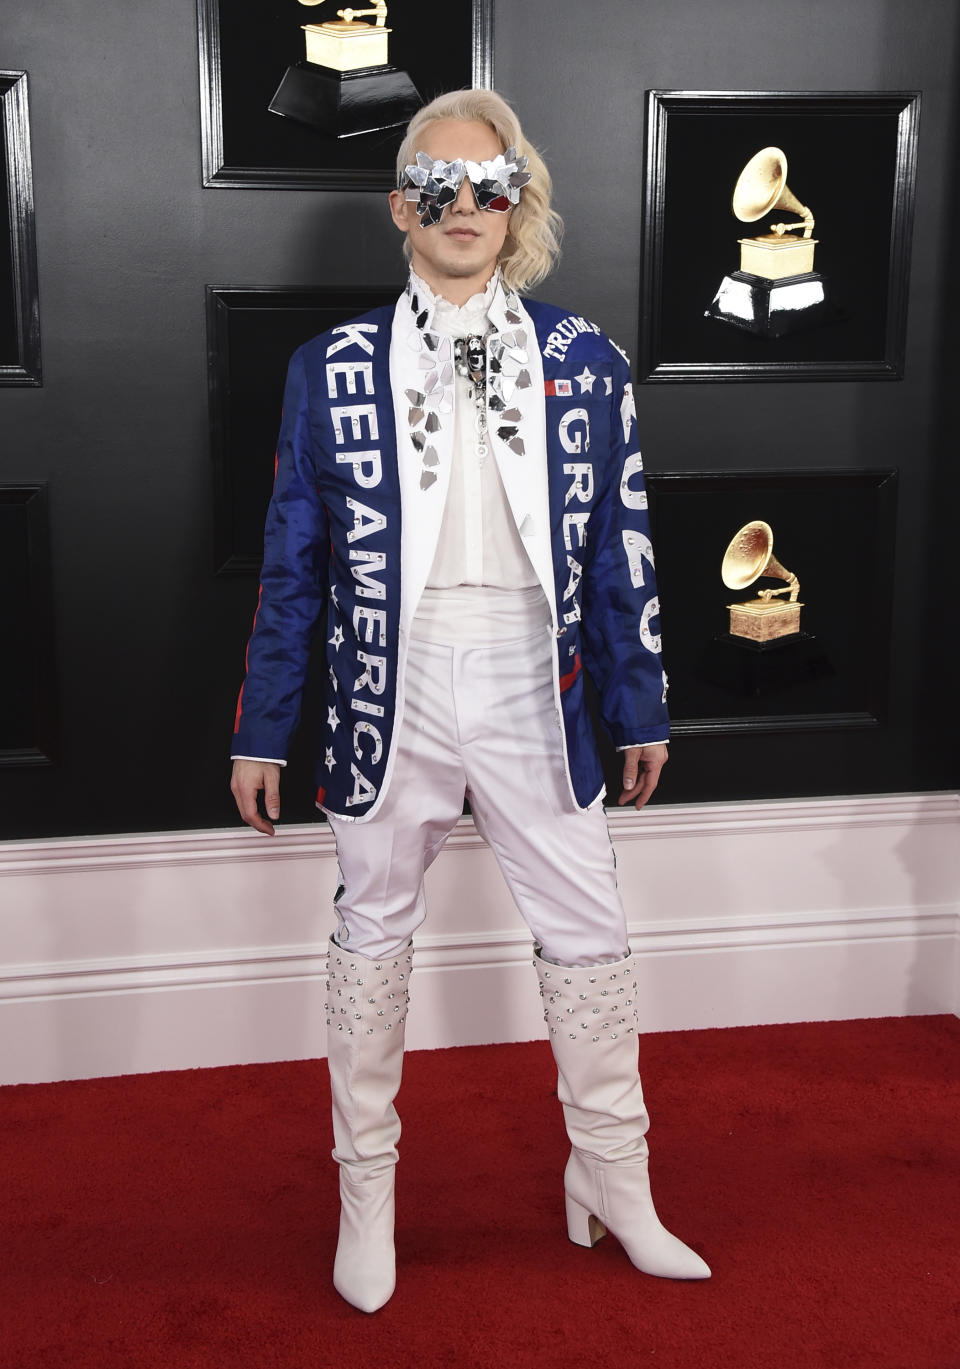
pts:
[762, 189]
[345, 45]
[747, 558]
[346, 84]
[776, 290]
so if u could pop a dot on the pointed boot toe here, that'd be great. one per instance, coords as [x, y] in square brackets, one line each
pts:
[367, 1007]
[591, 1015]
[602, 1197]
[365, 1268]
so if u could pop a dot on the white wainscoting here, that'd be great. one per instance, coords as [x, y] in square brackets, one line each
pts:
[182, 949]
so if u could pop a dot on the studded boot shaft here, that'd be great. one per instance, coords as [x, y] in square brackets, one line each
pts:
[366, 1011]
[591, 1015]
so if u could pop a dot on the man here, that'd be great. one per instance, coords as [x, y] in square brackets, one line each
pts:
[459, 492]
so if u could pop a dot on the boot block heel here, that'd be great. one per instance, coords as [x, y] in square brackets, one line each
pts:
[582, 1227]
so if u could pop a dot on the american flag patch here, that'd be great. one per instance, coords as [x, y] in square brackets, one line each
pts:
[563, 388]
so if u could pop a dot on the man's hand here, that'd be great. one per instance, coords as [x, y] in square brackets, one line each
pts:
[249, 777]
[641, 772]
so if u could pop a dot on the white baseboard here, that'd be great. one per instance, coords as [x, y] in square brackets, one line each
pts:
[178, 950]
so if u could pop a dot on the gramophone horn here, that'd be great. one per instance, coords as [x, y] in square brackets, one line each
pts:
[750, 555]
[762, 187]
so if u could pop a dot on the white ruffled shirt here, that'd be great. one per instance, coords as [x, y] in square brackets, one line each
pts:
[482, 583]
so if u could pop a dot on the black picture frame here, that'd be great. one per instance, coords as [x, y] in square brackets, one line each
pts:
[252, 332]
[19, 293]
[244, 52]
[28, 692]
[835, 531]
[851, 156]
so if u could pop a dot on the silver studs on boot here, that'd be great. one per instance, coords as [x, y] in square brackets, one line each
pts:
[560, 998]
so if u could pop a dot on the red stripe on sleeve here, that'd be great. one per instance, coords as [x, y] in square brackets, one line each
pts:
[236, 720]
[567, 680]
[246, 665]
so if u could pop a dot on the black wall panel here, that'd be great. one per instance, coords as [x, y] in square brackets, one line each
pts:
[150, 642]
[28, 673]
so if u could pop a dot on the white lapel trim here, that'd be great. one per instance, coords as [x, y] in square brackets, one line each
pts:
[518, 431]
[424, 446]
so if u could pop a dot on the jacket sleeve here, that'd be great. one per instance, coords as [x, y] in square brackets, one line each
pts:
[621, 625]
[293, 586]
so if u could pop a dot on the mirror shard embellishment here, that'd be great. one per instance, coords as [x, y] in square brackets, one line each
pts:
[433, 184]
[436, 361]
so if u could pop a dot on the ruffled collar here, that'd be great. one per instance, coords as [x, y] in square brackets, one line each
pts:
[452, 319]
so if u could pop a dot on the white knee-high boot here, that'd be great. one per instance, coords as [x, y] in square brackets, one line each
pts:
[366, 1011]
[591, 1014]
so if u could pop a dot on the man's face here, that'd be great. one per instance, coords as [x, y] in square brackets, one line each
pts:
[467, 241]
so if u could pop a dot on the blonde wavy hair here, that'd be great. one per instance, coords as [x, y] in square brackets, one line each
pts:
[532, 246]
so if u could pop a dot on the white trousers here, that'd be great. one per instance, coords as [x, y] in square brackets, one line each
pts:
[480, 721]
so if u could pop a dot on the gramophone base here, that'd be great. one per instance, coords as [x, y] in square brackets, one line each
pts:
[347, 47]
[345, 103]
[771, 308]
[764, 620]
[758, 668]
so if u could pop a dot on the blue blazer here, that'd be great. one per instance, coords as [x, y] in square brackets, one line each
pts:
[362, 468]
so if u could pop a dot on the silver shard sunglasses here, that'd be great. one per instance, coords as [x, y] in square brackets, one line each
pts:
[433, 184]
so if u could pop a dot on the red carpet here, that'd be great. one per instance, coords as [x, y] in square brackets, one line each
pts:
[188, 1219]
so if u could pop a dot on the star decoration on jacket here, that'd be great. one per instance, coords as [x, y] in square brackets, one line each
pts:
[333, 596]
[333, 679]
[333, 719]
[608, 385]
[337, 639]
[585, 380]
[329, 762]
